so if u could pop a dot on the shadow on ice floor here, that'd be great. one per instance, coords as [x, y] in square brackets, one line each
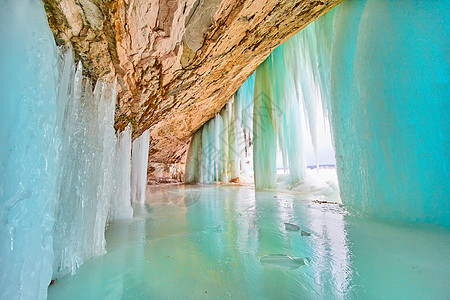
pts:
[207, 242]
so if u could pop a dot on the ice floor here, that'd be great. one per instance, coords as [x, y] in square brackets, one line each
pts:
[207, 242]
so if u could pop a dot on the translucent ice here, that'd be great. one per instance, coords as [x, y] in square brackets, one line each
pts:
[121, 200]
[58, 160]
[88, 178]
[389, 88]
[139, 163]
[378, 71]
[278, 119]
[29, 149]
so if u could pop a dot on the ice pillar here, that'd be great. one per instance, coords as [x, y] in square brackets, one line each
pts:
[193, 171]
[264, 133]
[121, 200]
[277, 120]
[139, 163]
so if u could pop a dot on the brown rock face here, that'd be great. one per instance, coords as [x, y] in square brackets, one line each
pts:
[177, 62]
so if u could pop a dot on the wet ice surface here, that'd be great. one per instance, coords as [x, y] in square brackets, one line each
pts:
[210, 242]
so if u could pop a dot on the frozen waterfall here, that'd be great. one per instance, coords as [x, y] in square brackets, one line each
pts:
[94, 179]
[275, 110]
[64, 171]
[377, 74]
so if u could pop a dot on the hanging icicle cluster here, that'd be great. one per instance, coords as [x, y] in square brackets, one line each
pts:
[65, 171]
[220, 149]
[277, 120]
[94, 179]
[286, 95]
[87, 166]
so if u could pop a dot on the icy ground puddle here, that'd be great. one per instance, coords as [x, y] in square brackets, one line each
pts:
[212, 242]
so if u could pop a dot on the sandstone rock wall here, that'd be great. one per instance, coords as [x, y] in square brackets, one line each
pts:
[177, 62]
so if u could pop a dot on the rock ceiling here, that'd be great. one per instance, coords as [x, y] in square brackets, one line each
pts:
[177, 62]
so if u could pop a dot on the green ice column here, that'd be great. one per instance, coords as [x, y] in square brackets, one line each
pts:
[390, 92]
[264, 134]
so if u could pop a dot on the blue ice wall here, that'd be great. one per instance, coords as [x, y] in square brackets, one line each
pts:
[29, 149]
[63, 170]
[390, 94]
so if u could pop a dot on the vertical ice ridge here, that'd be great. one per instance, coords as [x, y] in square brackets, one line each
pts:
[139, 163]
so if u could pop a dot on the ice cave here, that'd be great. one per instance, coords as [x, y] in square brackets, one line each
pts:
[224, 149]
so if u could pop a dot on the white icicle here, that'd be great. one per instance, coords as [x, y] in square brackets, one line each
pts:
[139, 163]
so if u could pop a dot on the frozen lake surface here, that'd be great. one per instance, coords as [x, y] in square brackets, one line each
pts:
[230, 242]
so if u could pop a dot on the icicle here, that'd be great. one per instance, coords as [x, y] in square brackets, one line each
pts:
[278, 116]
[121, 200]
[264, 132]
[193, 170]
[139, 163]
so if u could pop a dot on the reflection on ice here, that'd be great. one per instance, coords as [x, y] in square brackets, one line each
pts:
[188, 239]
